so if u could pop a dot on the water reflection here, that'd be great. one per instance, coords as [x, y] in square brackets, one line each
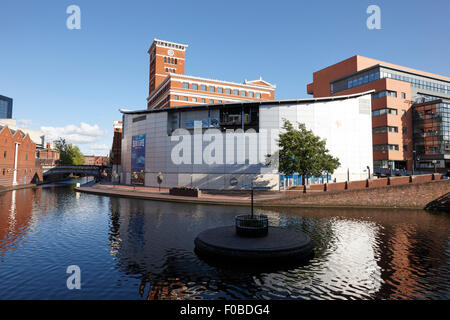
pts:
[145, 250]
[358, 255]
[16, 216]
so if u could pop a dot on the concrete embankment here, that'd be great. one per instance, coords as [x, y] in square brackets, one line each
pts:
[414, 196]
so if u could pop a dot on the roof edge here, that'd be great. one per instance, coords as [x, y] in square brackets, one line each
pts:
[263, 102]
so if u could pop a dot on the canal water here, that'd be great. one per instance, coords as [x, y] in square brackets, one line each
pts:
[139, 249]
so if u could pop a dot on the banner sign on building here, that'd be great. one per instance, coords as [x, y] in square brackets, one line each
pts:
[205, 123]
[138, 159]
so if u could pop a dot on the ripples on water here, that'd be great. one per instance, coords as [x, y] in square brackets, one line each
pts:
[133, 249]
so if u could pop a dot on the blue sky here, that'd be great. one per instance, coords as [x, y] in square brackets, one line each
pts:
[72, 82]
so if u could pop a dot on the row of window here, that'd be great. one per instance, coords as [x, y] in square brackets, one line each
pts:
[169, 45]
[385, 129]
[418, 83]
[356, 81]
[5, 153]
[202, 100]
[171, 70]
[170, 60]
[384, 93]
[228, 91]
[384, 111]
[4, 171]
[385, 147]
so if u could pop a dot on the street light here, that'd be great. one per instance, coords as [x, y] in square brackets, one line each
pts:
[434, 163]
[414, 162]
[368, 168]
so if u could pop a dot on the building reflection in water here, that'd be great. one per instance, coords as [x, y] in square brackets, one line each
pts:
[16, 215]
[359, 255]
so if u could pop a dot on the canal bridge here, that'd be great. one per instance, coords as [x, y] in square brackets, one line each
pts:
[65, 170]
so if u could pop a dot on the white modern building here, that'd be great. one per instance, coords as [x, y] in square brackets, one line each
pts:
[224, 146]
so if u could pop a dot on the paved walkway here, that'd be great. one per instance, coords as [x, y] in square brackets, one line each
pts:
[151, 193]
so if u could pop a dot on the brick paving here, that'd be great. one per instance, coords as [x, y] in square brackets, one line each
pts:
[153, 193]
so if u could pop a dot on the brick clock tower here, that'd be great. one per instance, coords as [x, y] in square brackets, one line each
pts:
[165, 57]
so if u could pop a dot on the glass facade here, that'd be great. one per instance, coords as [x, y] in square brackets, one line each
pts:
[374, 74]
[5, 107]
[432, 133]
[385, 147]
[383, 111]
[384, 93]
[384, 129]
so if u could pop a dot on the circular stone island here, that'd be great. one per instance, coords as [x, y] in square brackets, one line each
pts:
[279, 244]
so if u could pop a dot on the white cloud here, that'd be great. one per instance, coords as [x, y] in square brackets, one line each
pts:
[24, 123]
[84, 133]
[99, 149]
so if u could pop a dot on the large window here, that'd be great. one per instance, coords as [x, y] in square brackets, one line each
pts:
[194, 86]
[227, 91]
[202, 87]
[219, 90]
[359, 80]
[231, 118]
[384, 111]
[385, 93]
[185, 85]
[385, 129]
[385, 147]
[211, 89]
[235, 92]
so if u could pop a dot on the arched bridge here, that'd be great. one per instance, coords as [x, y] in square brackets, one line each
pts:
[69, 169]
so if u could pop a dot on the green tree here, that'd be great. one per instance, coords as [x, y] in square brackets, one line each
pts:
[300, 151]
[68, 153]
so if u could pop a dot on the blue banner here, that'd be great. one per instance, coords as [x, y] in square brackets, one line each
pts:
[138, 159]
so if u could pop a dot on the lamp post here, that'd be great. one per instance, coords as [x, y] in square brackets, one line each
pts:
[414, 161]
[434, 163]
[368, 168]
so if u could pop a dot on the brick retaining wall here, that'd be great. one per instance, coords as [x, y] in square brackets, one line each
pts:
[410, 195]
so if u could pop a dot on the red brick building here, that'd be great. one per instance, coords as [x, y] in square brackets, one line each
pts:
[170, 87]
[96, 161]
[117, 144]
[47, 156]
[397, 89]
[18, 164]
[116, 151]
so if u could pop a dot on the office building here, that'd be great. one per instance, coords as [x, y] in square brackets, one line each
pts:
[397, 90]
[6, 105]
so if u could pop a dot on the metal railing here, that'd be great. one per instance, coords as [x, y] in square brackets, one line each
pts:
[252, 225]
